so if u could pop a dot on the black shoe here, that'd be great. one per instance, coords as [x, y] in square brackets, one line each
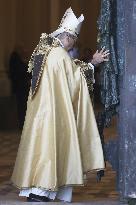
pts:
[31, 200]
[37, 198]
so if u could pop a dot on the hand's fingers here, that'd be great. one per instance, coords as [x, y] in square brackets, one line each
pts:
[105, 59]
[107, 51]
[105, 55]
[101, 51]
[97, 52]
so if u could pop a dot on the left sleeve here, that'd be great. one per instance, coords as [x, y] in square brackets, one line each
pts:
[91, 66]
[87, 70]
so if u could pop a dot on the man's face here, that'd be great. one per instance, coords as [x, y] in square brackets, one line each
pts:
[71, 40]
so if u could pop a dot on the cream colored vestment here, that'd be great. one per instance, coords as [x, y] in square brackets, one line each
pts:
[60, 139]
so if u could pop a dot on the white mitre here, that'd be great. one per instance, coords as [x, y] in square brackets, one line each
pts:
[69, 23]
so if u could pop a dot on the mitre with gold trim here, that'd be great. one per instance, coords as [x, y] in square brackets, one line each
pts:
[69, 23]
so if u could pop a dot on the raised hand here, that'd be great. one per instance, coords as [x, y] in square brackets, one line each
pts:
[100, 56]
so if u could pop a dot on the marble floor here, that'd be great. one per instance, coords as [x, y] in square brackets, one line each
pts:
[101, 193]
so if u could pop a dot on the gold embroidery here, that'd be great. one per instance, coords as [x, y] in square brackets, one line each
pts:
[44, 47]
[84, 67]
